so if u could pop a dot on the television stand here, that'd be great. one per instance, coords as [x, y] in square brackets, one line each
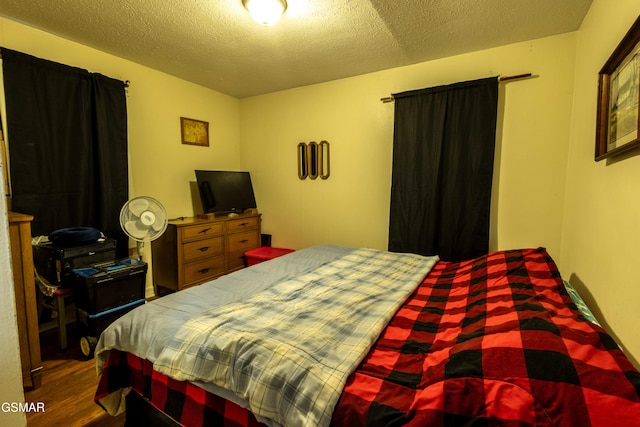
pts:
[195, 250]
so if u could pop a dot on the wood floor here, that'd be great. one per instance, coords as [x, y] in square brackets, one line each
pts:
[69, 382]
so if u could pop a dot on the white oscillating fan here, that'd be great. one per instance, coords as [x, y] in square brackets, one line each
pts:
[143, 219]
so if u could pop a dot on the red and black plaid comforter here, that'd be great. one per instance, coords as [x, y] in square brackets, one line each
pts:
[492, 341]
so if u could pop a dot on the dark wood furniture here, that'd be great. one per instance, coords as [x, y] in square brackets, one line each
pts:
[194, 250]
[26, 298]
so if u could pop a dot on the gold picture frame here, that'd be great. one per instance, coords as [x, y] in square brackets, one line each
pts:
[194, 132]
[618, 121]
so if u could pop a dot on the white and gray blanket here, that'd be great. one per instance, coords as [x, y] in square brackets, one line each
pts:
[289, 349]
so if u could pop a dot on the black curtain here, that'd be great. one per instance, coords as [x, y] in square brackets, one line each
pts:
[67, 135]
[443, 149]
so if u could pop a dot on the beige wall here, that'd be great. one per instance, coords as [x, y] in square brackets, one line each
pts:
[601, 230]
[10, 370]
[352, 206]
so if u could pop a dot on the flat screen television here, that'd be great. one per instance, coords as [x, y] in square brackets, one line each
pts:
[225, 192]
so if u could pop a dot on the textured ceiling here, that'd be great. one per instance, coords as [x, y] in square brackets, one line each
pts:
[216, 44]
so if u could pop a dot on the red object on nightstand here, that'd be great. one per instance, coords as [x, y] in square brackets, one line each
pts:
[264, 253]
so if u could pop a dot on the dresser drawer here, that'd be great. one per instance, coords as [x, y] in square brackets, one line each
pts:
[241, 242]
[235, 260]
[202, 231]
[201, 271]
[202, 248]
[243, 224]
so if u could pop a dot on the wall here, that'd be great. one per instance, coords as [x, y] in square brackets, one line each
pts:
[10, 368]
[601, 230]
[160, 165]
[352, 206]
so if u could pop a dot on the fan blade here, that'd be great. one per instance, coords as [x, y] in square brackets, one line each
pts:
[138, 206]
[158, 224]
[136, 229]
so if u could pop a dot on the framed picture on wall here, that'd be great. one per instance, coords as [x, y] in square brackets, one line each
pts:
[194, 132]
[617, 123]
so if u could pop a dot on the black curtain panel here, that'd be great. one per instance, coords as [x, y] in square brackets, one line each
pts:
[111, 173]
[443, 150]
[67, 138]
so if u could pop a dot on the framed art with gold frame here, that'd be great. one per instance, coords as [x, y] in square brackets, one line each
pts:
[194, 132]
[618, 97]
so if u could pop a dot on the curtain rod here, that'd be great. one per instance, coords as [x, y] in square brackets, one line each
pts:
[127, 83]
[500, 79]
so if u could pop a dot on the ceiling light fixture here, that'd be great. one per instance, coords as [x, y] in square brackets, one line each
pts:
[265, 12]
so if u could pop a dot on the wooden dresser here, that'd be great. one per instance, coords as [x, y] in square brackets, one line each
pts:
[193, 250]
[25, 289]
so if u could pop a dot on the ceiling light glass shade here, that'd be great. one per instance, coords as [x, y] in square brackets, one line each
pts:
[266, 12]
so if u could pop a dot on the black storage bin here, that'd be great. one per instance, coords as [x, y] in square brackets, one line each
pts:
[104, 292]
[100, 288]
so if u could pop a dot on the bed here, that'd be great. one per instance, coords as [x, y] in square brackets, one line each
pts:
[339, 336]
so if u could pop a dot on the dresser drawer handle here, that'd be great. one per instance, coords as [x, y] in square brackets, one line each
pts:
[204, 248]
[204, 270]
[244, 241]
[244, 224]
[204, 230]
